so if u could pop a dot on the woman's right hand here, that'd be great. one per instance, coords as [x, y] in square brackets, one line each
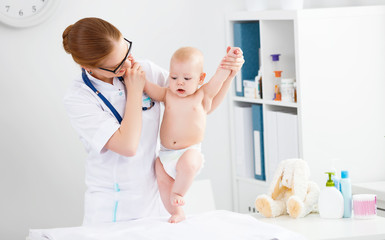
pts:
[135, 77]
[126, 140]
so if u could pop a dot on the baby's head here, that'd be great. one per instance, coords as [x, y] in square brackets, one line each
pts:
[186, 71]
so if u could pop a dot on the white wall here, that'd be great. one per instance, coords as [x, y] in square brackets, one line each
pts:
[276, 4]
[340, 3]
[42, 160]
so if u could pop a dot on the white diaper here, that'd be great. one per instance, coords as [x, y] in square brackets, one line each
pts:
[170, 157]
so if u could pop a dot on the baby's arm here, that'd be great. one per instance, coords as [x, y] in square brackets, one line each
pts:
[214, 86]
[155, 91]
[211, 88]
[234, 62]
[221, 94]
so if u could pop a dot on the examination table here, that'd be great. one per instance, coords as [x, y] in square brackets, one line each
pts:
[219, 224]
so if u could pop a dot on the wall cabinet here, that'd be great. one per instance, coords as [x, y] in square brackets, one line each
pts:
[337, 58]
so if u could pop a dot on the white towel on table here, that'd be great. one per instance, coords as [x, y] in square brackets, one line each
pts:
[218, 224]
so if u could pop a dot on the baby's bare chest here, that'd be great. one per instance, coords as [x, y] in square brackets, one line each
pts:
[185, 110]
[189, 106]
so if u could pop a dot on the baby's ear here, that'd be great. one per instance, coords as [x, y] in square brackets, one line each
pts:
[202, 78]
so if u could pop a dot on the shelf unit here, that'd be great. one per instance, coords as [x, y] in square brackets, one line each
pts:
[337, 56]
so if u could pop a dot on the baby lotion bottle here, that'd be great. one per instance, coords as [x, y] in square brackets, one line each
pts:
[330, 202]
[346, 190]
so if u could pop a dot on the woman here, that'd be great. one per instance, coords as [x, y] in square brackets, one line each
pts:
[116, 121]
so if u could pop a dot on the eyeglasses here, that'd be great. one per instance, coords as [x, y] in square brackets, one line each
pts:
[117, 69]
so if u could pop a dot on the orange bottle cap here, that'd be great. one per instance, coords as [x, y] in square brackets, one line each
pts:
[277, 73]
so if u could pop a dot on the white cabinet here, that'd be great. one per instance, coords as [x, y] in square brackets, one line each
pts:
[337, 57]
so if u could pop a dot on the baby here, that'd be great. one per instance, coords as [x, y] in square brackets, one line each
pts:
[183, 125]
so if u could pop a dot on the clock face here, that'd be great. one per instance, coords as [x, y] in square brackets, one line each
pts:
[24, 13]
[21, 9]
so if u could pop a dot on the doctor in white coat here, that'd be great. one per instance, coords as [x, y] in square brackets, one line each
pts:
[117, 123]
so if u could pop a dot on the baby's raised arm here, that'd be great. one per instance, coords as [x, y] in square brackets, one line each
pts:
[155, 91]
[234, 62]
[212, 88]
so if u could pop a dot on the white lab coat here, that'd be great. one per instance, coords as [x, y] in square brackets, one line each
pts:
[105, 170]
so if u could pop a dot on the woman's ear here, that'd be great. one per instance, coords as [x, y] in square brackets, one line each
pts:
[86, 68]
[202, 78]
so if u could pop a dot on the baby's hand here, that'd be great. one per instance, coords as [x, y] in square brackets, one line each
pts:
[233, 60]
[234, 52]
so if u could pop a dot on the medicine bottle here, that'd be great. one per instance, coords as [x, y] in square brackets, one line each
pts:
[287, 89]
[277, 76]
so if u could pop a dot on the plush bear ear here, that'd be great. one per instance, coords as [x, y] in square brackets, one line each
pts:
[300, 178]
[277, 177]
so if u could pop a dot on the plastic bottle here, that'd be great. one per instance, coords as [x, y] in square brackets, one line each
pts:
[330, 202]
[346, 190]
[277, 76]
[287, 89]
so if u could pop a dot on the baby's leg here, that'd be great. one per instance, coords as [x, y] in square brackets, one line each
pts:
[165, 183]
[186, 168]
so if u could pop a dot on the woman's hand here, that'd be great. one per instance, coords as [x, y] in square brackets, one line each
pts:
[135, 77]
[125, 141]
[233, 60]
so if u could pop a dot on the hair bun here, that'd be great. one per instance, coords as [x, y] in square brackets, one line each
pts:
[65, 38]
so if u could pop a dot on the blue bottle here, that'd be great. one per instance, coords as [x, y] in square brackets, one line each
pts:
[346, 190]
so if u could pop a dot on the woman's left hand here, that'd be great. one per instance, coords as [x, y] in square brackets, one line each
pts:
[233, 60]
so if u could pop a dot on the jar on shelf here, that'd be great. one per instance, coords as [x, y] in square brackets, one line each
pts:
[287, 89]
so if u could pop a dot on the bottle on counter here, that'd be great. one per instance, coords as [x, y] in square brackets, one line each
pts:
[330, 201]
[346, 190]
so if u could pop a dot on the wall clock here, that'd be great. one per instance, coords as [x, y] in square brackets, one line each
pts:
[26, 13]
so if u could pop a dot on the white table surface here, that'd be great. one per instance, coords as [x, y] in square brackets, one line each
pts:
[314, 227]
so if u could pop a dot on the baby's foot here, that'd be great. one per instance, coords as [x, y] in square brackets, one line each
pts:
[176, 200]
[178, 217]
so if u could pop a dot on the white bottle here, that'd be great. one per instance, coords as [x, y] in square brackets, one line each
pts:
[287, 89]
[330, 202]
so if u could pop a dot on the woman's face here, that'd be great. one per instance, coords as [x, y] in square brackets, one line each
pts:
[117, 60]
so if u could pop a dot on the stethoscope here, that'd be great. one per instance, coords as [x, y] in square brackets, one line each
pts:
[119, 118]
[108, 104]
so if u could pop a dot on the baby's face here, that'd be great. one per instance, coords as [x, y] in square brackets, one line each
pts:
[185, 77]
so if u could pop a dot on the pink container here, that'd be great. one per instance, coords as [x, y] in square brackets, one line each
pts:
[364, 206]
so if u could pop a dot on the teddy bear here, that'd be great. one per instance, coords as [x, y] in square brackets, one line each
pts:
[291, 192]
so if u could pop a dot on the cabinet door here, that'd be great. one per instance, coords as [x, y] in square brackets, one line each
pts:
[247, 193]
